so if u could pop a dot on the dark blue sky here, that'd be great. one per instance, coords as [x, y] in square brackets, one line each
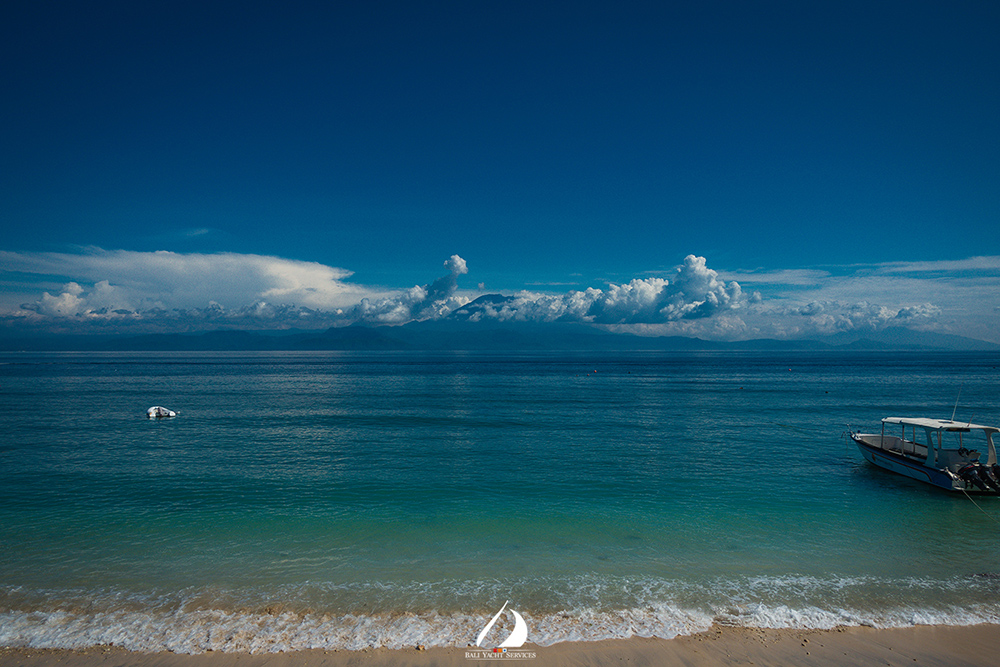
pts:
[564, 144]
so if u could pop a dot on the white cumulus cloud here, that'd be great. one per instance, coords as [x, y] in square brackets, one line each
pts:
[122, 285]
[427, 302]
[126, 279]
[174, 290]
[947, 296]
[120, 290]
[692, 291]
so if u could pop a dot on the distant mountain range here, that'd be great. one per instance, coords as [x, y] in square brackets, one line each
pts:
[462, 334]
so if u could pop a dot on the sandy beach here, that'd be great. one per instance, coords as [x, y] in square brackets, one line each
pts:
[947, 646]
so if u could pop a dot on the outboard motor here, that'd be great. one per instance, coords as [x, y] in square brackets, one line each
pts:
[970, 474]
[989, 477]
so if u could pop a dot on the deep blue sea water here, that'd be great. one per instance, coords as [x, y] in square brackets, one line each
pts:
[345, 500]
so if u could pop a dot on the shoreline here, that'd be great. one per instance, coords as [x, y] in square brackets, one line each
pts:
[951, 645]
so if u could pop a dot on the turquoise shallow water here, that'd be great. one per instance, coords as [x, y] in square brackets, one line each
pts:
[348, 500]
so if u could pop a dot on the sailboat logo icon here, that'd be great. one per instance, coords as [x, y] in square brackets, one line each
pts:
[517, 636]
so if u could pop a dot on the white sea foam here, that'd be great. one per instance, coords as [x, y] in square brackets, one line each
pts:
[212, 630]
[187, 621]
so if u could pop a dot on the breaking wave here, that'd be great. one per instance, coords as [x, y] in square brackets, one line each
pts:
[358, 616]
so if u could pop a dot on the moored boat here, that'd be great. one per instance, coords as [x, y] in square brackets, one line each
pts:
[941, 452]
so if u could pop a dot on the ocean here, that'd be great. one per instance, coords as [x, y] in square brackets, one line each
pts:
[346, 500]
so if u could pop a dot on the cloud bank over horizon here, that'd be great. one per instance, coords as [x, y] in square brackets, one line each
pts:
[692, 292]
[120, 291]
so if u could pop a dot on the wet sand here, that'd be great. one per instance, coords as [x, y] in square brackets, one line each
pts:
[944, 646]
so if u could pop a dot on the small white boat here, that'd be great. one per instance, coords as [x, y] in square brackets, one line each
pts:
[159, 412]
[941, 452]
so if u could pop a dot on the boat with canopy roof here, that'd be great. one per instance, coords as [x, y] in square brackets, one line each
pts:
[942, 452]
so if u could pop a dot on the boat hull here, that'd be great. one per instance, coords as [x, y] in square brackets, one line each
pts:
[904, 466]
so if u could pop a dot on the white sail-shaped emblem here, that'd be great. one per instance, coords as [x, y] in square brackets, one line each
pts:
[517, 636]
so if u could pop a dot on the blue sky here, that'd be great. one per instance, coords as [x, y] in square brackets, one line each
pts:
[321, 163]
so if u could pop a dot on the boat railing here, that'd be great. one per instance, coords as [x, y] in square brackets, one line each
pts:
[893, 443]
[915, 449]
